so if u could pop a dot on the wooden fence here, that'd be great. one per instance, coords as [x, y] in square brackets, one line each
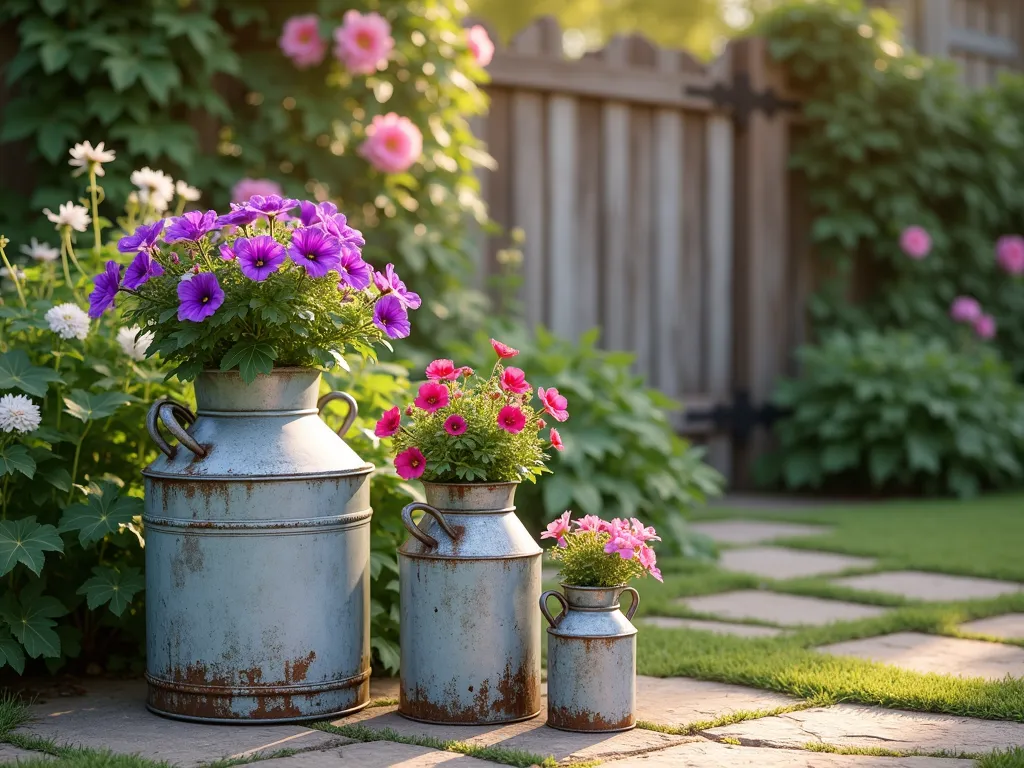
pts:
[657, 203]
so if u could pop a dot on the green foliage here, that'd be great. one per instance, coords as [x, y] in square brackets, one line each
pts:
[584, 563]
[899, 413]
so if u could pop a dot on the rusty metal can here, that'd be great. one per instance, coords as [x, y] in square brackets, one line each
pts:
[469, 576]
[591, 660]
[257, 555]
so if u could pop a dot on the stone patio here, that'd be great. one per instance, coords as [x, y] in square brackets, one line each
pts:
[920, 585]
[775, 608]
[780, 563]
[1009, 626]
[709, 754]
[717, 627]
[754, 531]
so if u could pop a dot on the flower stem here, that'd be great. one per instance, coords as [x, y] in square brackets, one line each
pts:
[74, 464]
[14, 276]
[56, 369]
[93, 191]
[71, 253]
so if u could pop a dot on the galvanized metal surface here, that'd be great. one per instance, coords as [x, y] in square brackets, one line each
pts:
[469, 577]
[591, 660]
[257, 556]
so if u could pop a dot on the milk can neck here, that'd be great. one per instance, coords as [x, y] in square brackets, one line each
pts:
[284, 390]
[593, 598]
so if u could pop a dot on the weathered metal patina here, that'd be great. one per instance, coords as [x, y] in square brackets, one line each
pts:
[469, 577]
[591, 660]
[257, 555]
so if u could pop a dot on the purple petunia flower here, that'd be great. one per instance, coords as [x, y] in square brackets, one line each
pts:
[143, 238]
[238, 217]
[226, 253]
[143, 267]
[105, 289]
[269, 205]
[390, 316]
[191, 226]
[310, 213]
[390, 282]
[200, 297]
[355, 273]
[315, 251]
[259, 256]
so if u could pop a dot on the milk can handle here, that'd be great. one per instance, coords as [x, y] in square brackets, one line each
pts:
[415, 530]
[553, 621]
[636, 602]
[353, 408]
[165, 410]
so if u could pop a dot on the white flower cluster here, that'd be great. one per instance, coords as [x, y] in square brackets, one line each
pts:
[68, 321]
[85, 156]
[18, 414]
[70, 215]
[156, 188]
[40, 251]
[135, 348]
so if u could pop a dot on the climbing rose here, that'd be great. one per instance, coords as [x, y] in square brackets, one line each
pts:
[301, 42]
[363, 42]
[503, 350]
[511, 419]
[985, 327]
[389, 424]
[480, 45]
[432, 396]
[554, 403]
[1010, 254]
[248, 188]
[410, 463]
[556, 440]
[965, 309]
[557, 529]
[442, 370]
[514, 380]
[916, 242]
[392, 143]
[455, 425]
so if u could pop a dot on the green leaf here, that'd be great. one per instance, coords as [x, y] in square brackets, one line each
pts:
[883, 461]
[17, 372]
[158, 77]
[58, 477]
[25, 541]
[922, 453]
[16, 458]
[32, 623]
[54, 55]
[102, 513]
[53, 7]
[11, 653]
[90, 406]
[251, 358]
[112, 586]
[387, 652]
[123, 70]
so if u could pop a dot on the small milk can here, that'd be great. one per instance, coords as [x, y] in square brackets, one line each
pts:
[591, 660]
[470, 635]
[257, 555]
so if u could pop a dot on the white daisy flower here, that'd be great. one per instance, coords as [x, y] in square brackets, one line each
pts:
[18, 414]
[18, 273]
[156, 188]
[70, 215]
[85, 155]
[40, 251]
[135, 348]
[185, 192]
[69, 321]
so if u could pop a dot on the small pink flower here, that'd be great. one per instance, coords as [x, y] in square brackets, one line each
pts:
[965, 309]
[442, 370]
[455, 425]
[363, 42]
[511, 419]
[409, 410]
[246, 188]
[985, 327]
[556, 440]
[557, 529]
[554, 403]
[623, 543]
[591, 523]
[514, 380]
[389, 424]
[503, 350]
[648, 559]
[301, 42]
[410, 463]
[1010, 254]
[432, 396]
[466, 371]
[392, 143]
[541, 423]
[916, 242]
[642, 533]
[480, 45]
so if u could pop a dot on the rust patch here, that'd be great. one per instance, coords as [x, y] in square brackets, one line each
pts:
[276, 708]
[252, 676]
[518, 698]
[191, 553]
[296, 671]
[197, 674]
[583, 720]
[190, 704]
[518, 691]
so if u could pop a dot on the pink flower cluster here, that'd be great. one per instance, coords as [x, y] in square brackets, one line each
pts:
[967, 310]
[1010, 254]
[626, 538]
[916, 242]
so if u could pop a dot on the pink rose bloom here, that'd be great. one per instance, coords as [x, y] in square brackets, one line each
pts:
[965, 309]
[1010, 254]
[410, 463]
[514, 380]
[556, 440]
[389, 424]
[591, 523]
[511, 419]
[916, 242]
[557, 529]
[392, 143]
[480, 45]
[432, 396]
[455, 425]
[985, 327]
[246, 188]
[363, 43]
[554, 403]
[301, 42]
[442, 370]
[503, 350]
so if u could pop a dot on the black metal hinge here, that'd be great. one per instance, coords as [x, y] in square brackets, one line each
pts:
[739, 418]
[743, 100]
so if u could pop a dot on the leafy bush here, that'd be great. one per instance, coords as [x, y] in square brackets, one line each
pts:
[897, 412]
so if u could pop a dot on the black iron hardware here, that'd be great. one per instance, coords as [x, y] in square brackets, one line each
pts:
[744, 100]
[739, 418]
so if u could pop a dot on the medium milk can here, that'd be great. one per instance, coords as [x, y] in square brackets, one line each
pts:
[257, 555]
[469, 577]
[591, 660]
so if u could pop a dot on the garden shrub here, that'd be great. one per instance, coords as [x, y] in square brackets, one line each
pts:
[896, 412]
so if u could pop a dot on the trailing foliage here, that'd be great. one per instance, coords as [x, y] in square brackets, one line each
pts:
[897, 412]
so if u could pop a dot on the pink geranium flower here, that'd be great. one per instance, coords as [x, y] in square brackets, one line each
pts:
[916, 242]
[591, 523]
[389, 424]
[511, 419]
[642, 533]
[363, 42]
[432, 396]
[557, 529]
[965, 309]
[301, 42]
[480, 45]
[392, 143]
[410, 463]
[247, 188]
[622, 542]
[503, 350]
[514, 380]
[648, 559]
[556, 440]
[985, 327]
[554, 403]
[442, 370]
[455, 425]
[1010, 254]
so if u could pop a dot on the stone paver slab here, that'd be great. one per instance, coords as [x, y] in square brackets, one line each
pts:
[1009, 626]
[10, 755]
[681, 701]
[718, 627]
[919, 585]
[384, 688]
[377, 754]
[113, 715]
[781, 563]
[855, 725]
[775, 608]
[709, 754]
[932, 653]
[754, 531]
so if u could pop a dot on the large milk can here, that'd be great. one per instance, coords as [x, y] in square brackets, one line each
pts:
[470, 633]
[591, 660]
[257, 555]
